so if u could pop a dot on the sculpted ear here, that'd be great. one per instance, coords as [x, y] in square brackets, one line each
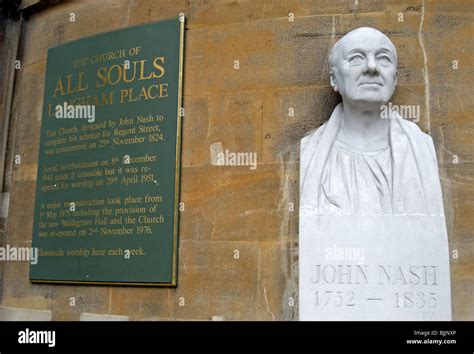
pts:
[333, 81]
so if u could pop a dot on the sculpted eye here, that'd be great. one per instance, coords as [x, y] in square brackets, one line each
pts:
[356, 59]
[384, 58]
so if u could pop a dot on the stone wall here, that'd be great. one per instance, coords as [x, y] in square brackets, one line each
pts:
[283, 66]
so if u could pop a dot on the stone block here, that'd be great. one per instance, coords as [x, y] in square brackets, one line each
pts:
[23, 314]
[456, 140]
[144, 11]
[213, 55]
[459, 211]
[18, 291]
[238, 203]
[233, 120]
[451, 105]
[199, 13]
[463, 302]
[272, 281]
[400, 20]
[324, 7]
[75, 300]
[142, 303]
[449, 41]
[21, 212]
[212, 280]
[446, 6]
[99, 317]
[195, 130]
[53, 25]
[4, 205]
[30, 105]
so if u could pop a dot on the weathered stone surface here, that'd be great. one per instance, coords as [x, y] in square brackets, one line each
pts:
[271, 291]
[463, 286]
[99, 317]
[30, 107]
[65, 315]
[52, 26]
[195, 131]
[277, 53]
[28, 115]
[452, 105]
[4, 205]
[289, 114]
[23, 294]
[217, 278]
[26, 171]
[231, 120]
[144, 304]
[20, 220]
[460, 207]
[446, 6]
[74, 300]
[235, 120]
[396, 22]
[142, 11]
[19, 314]
[200, 13]
[19, 231]
[463, 301]
[311, 8]
[253, 46]
[238, 203]
[457, 140]
[448, 40]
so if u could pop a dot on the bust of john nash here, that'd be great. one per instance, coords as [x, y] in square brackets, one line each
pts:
[361, 163]
[369, 182]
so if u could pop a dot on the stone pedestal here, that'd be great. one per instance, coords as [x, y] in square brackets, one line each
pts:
[377, 267]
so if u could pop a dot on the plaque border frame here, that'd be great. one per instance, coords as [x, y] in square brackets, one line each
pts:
[174, 264]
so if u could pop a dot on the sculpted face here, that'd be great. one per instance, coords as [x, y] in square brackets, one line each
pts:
[364, 67]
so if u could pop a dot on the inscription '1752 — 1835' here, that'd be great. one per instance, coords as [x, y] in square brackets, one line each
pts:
[382, 275]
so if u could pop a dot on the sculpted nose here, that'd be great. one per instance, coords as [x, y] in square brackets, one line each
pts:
[371, 67]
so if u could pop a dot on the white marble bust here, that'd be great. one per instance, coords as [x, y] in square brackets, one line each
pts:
[369, 182]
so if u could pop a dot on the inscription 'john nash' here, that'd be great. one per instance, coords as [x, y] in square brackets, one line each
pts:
[385, 274]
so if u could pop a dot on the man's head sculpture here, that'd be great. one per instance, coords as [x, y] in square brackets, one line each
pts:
[364, 67]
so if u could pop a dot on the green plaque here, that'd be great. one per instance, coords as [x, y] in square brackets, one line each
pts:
[107, 192]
